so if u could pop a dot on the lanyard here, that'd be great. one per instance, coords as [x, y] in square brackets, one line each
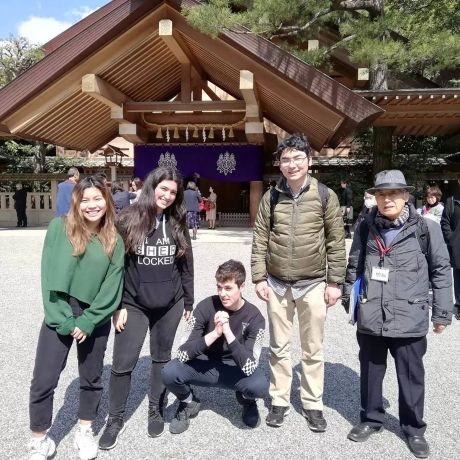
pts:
[383, 251]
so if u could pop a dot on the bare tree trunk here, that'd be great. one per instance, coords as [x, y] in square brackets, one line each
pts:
[40, 156]
[383, 148]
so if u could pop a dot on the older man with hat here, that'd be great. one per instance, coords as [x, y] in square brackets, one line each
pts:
[396, 253]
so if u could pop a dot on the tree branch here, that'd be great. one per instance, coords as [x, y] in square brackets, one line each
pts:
[289, 31]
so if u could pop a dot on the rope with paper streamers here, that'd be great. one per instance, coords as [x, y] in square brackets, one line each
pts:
[196, 127]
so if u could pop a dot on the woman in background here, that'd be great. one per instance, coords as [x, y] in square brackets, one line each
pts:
[211, 208]
[433, 208]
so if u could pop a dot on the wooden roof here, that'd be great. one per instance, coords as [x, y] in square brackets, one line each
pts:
[95, 76]
[418, 112]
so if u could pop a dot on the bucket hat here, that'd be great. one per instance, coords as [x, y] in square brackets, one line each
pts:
[390, 179]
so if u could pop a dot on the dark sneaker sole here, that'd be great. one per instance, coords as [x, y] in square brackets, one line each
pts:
[116, 440]
[195, 412]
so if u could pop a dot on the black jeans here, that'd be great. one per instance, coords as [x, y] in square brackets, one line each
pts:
[408, 355]
[178, 376]
[162, 324]
[50, 361]
[456, 273]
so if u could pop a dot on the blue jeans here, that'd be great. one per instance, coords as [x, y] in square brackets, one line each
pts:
[178, 376]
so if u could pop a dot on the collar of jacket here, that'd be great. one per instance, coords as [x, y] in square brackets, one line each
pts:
[282, 186]
[413, 216]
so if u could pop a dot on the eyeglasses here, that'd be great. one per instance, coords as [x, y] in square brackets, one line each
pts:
[296, 160]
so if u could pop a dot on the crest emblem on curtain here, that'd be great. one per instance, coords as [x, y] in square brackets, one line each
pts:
[167, 160]
[226, 163]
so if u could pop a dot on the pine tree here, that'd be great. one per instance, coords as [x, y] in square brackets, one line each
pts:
[390, 37]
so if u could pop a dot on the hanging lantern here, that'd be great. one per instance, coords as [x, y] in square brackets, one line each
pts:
[211, 133]
[176, 133]
[195, 132]
[159, 133]
[230, 132]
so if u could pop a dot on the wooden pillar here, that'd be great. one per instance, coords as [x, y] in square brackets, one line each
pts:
[53, 195]
[113, 173]
[256, 188]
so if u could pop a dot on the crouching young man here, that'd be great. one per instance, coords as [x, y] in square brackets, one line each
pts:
[222, 350]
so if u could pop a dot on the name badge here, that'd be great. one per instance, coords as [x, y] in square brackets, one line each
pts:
[380, 274]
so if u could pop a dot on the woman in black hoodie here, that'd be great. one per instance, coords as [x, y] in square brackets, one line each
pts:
[158, 291]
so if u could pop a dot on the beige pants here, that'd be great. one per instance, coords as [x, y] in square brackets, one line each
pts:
[311, 313]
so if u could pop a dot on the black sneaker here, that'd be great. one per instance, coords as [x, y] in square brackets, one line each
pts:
[276, 415]
[315, 420]
[250, 415]
[184, 413]
[156, 424]
[113, 429]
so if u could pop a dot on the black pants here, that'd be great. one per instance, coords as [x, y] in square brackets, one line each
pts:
[178, 377]
[408, 355]
[162, 324]
[50, 361]
[21, 216]
[456, 273]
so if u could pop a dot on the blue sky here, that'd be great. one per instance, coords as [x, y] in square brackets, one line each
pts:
[41, 20]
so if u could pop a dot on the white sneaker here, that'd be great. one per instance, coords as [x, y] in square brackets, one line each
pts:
[85, 443]
[41, 448]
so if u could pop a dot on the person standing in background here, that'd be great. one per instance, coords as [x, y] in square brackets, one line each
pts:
[192, 198]
[346, 205]
[20, 204]
[64, 192]
[433, 208]
[211, 208]
[450, 226]
[136, 187]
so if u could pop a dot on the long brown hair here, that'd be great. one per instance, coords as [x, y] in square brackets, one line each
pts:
[138, 220]
[75, 224]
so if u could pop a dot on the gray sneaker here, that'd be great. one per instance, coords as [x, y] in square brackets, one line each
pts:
[41, 449]
[184, 413]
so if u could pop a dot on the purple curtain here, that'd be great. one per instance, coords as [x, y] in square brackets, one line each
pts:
[231, 163]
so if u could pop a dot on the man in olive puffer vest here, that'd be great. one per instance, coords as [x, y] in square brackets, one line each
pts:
[298, 262]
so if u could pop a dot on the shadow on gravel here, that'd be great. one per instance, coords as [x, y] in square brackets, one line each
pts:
[67, 416]
[342, 394]
[220, 401]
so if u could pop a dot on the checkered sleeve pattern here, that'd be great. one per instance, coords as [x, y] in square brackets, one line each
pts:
[250, 366]
[182, 356]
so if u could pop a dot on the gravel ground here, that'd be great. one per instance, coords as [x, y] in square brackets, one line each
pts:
[218, 430]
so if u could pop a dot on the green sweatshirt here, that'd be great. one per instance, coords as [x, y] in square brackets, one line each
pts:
[92, 278]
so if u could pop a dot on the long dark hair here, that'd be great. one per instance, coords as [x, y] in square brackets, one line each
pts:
[138, 220]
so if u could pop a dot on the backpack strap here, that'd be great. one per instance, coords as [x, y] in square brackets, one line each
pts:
[323, 192]
[274, 195]
[323, 196]
[450, 208]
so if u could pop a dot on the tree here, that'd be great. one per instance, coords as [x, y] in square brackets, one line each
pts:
[17, 55]
[390, 37]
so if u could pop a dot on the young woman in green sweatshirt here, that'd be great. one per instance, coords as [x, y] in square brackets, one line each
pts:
[82, 282]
